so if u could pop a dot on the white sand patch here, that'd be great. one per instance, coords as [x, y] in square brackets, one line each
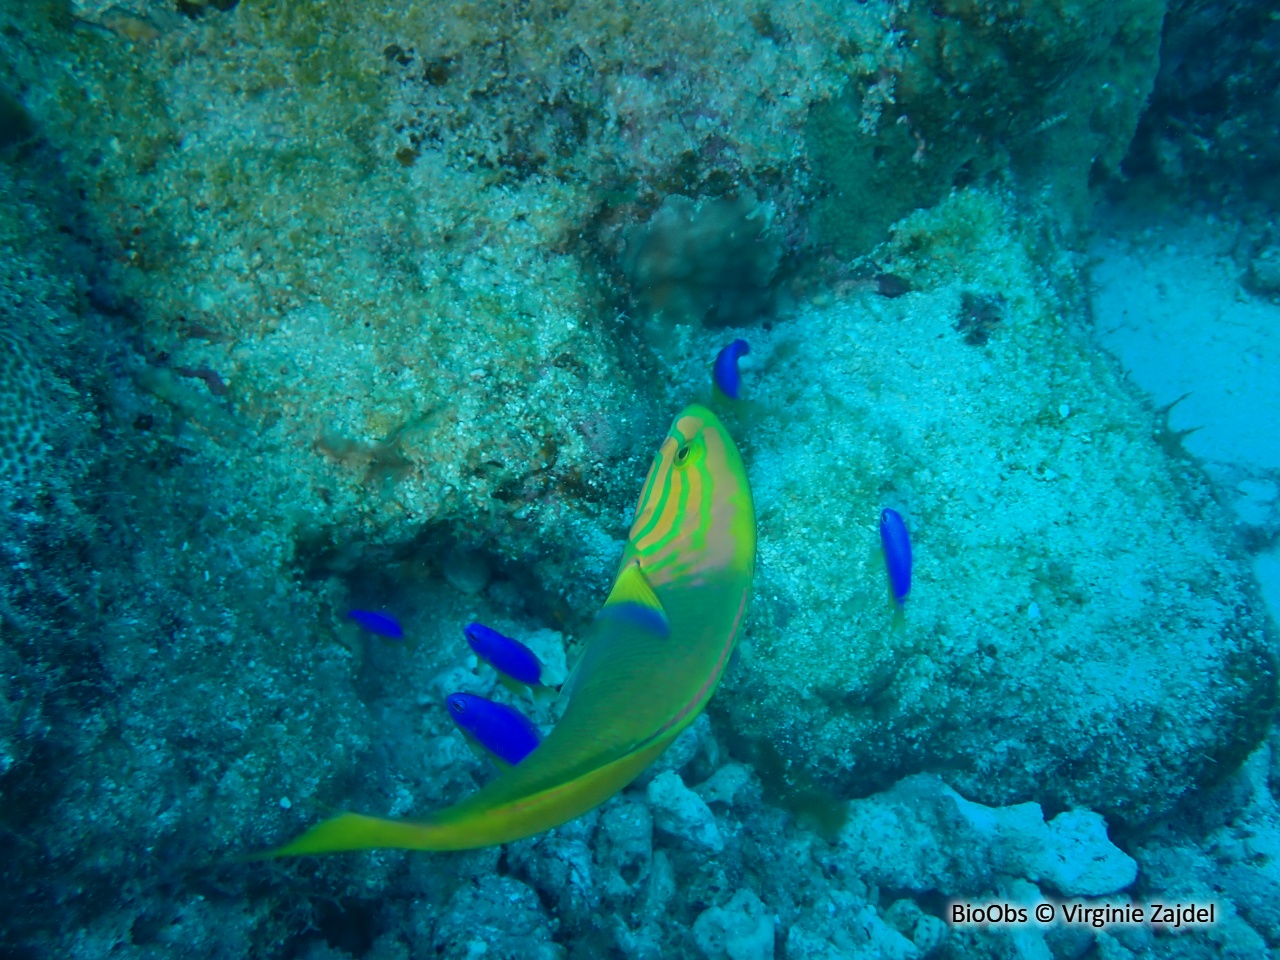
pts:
[1169, 304]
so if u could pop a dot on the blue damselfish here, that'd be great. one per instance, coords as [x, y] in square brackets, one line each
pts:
[897, 553]
[511, 658]
[724, 372]
[383, 624]
[505, 733]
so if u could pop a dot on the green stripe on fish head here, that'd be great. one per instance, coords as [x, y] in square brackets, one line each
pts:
[695, 517]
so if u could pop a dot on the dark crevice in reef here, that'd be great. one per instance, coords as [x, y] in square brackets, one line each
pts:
[1212, 125]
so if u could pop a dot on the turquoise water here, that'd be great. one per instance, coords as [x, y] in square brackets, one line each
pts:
[310, 308]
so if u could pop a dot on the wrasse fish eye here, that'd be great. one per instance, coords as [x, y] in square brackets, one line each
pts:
[457, 705]
[682, 454]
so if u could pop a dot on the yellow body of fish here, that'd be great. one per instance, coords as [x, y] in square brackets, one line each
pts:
[655, 653]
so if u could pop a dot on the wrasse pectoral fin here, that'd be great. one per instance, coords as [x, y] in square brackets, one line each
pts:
[633, 599]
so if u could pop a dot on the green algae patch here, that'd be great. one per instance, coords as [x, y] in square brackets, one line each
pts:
[813, 806]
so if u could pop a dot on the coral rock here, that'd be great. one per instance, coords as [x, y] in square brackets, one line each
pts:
[922, 836]
[740, 930]
[679, 811]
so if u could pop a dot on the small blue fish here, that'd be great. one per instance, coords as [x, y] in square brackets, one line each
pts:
[511, 658]
[897, 554]
[724, 372]
[383, 624]
[503, 732]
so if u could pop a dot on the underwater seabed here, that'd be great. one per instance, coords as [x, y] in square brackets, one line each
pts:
[1195, 322]
[1082, 629]
[308, 309]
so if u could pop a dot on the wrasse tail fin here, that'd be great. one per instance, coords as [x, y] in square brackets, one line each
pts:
[354, 831]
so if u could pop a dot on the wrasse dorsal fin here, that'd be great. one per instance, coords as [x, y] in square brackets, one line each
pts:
[633, 599]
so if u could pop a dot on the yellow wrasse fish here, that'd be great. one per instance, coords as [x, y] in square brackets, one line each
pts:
[655, 653]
